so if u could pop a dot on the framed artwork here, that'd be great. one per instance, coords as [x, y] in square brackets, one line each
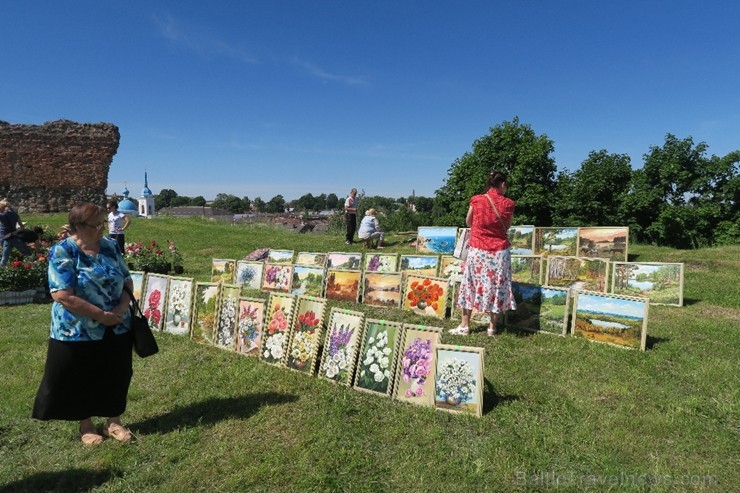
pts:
[661, 282]
[604, 242]
[611, 319]
[556, 241]
[343, 334]
[424, 265]
[138, 278]
[204, 312]
[279, 256]
[578, 273]
[249, 274]
[382, 289]
[305, 336]
[311, 258]
[415, 371]
[152, 304]
[343, 260]
[307, 280]
[459, 379]
[278, 277]
[539, 309]
[527, 268]
[225, 333]
[436, 239]
[521, 239]
[179, 306]
[277, 327]
[377, 358]
[381, 262]
[425, 295]
[222, 270]
[343, 285]
[450, 268]
[249, 326]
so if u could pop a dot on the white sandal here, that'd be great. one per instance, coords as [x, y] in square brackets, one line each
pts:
[459, 331]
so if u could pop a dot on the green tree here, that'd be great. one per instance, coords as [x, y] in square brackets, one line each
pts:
[179, 201]
[260, 205]
[228, 202]
[276, 204]
[332, 201]
[246, 204]
[163, 199]
[199, 201]
[305, 202]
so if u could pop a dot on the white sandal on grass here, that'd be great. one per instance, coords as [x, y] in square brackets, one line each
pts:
[459, 331]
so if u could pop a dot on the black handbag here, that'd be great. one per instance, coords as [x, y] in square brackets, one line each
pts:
[144, 342]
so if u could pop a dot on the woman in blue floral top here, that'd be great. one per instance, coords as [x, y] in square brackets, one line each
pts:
[88, 364]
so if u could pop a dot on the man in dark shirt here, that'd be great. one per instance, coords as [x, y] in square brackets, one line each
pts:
[9, 221]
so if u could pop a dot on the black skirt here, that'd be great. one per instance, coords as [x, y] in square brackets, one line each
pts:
[85, 379]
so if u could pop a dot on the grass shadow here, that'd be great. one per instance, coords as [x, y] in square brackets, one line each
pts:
[651, 341]
[691, 301]
[491, 399]
[69, 481]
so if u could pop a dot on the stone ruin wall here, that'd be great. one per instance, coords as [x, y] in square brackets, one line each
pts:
[51, 167]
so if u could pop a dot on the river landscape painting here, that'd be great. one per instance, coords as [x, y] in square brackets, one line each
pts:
[662, 282]
[612, 319]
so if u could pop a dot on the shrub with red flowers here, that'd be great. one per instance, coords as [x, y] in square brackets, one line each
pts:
[148, 257]
[27, 273]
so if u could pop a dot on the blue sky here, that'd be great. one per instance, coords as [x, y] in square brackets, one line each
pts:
[291, 97]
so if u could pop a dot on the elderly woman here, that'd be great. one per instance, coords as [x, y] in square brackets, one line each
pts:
[88, 363]
[370, 229]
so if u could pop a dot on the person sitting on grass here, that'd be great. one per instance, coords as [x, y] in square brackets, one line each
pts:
[370, 229]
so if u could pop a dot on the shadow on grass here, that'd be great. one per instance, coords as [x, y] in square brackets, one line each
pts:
[209, 412]
[691, 301]
[72, 480]
[491, 399]
[652, 341]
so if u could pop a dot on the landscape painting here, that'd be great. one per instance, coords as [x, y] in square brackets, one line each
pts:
[222, 270]
[138, 278]
[450, 268]
[344, 261]
[539, 309]
[249, 274]
[459, 379]
[381, 262]
[225, 333]
[249, 326]
[527, 268]
[415, 371]
[522, 240]
[307, 280]
[556, 241]
[179, 305]
[578, 273]
[436, 239]
[377, 358]
[382, 289]
[343, 334]
[424, 295]
[612, 319]
[311, 258]
[343, 285]
[424, 265]
[305, 336]
[280, 256]
[153, 303]
[204, 312]
[661, 282]
[278, 277]
[604, 242]
[277, 328]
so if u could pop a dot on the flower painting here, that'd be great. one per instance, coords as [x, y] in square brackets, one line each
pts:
[225, 336]
[377, 357]
[381, 262]
[662, 282]
[603, 242]
[222, 270]
[612, 319]
[277, 329]
[527, 268]
[459, 379]
[138, 278]
[249, 274]
[539, 308]
[343, 260]
[280, 256]
[204, 312]
[577, 273]
[249, 323]
[306, 334]
[521, 239]
[415, 372]
[307, 280]
[382, 289]
[555, 241]
[179, 306]
[425, 295]
[277, 277]
[153, 301]
[424, 265]
[311, 258]
[450, 268]
[343, 285]
[340, 345]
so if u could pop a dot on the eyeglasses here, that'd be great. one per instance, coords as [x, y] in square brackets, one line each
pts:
[95, 226]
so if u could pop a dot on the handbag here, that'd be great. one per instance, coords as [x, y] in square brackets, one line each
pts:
[144, 342]
[462, 245]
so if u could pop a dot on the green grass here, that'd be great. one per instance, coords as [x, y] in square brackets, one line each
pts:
[555, 409]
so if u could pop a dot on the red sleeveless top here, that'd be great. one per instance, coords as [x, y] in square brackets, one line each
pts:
[487, 232]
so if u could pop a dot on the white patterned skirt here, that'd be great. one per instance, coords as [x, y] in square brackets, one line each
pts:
[486, 282]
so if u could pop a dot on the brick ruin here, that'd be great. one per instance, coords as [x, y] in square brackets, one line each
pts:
[50, 167]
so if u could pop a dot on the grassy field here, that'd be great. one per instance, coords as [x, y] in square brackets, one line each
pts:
[559, 413]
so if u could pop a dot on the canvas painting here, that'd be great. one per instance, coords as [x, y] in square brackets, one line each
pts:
[661, 282]
[153, 303]
[341, 344]
[278, 277]
[311, 258]
[450, 268]
[222, 270]
[204, 312]
[459, 379]
[436, 239]
[527, 268]
[604, 242]
[578, 273]
[612, 319]
[225, 334]
[249, 274]
[280, 256]
[307, 280]
[382, 289]
[415, 371]
[377, 358]
[277, 329]
[539, 309]
[556, 241]
[305, 336]
[343, 285]
[249, 324]
[344, 261]
[381, 262]
[423, 265]
[424, 295]
[522, 240]
[179, 305]
[138, 279]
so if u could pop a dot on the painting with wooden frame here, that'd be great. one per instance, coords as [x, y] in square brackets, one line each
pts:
[343, 336]
[306, 333]
[179, 305]
[527, 268]
[279, 256]
[521, 239]
[450, 268]
[415, 371]
[343, 260]
[222, 270]
[343, 285]
[661, 282]
[611, 319]
[311, 258]
[225, 331]
[539, 309]
[556, 241]
[153, 303]
[604, 242]
[459, 379]
[376, 362]
[423, 265]
[277, 328]
[436, 239]
[204, 312]
[307, 280]
[425, 295]
[138, 278]
[381, 262]
[382, 289]
[248, 274]
[278, 277]
[578, 273]
[250, 326]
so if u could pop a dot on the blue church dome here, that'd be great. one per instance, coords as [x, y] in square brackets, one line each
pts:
[145, 192]
[126, 205]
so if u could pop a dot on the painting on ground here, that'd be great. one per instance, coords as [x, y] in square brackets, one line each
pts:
[343, 260]
[377, 360]
[436, 239]
[277, 327]
[539, 309]
[527, 268]
[138, 278]
[343, 335]
[280, 256]
[204, 312]
[459, 379]
[278, 277]
[381, 262]
[604, 242]
[343, 285]
[311, 258]
[662, 282]
[305, 336]
[450, 268]
[415, 372]
[307, 280]
[249, 324]
[612, 319]
[382, 289]
[249, 274]
[225, 334]
[424, 265]
[222, 270]
[424, 295]
[179, 305]
[522, 240]
[577, 273]
[555, 241]
[153, 303]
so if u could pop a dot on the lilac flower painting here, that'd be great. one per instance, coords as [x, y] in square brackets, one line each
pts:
[340, 346]
[416, 373]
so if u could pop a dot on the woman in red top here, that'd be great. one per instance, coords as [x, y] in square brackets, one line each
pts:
[486, 283]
